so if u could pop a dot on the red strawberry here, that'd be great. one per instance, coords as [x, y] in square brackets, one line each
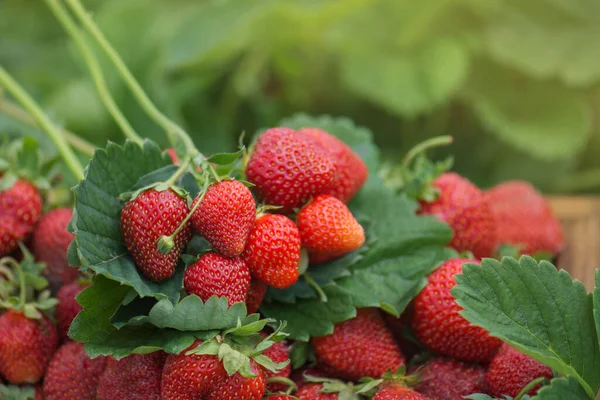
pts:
[214, 274]
[204, 377]
[397, 392]
[361, 346]
[281, 397]
[50, 242]
[510, 371]
[288, 169]
[67, 307]
[465, 208]
[328, 229]
[448, 379]
[439, 326]
[398, 327]
[26, 346]
[278, 353]
[273, 251]
[352, 172]
[173, 154]
[225, 217]
[136, 377]
[39, 392]
[20, 208]
[256, 294]
[524, 218]
[312, 391]
[72, 374]
[144, 220]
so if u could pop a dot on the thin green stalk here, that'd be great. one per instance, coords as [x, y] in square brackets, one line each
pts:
[311, 282]
[529, 386]
[71, 28]
[427, 144]
[22, 294]
[166, 243]
[10, 84]
[180, 171]
[153, 112]
[17, 113]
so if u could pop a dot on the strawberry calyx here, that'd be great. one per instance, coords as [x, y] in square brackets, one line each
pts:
[369, 386]
[344, 390]
[21, 159]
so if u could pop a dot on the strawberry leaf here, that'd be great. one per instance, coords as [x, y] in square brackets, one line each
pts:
[538, 310]
[597, 304]
[562, 389]
[13, 392]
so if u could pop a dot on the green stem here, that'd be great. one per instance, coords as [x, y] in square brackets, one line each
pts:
[153, 112]
[213, 172]
[43, 122]
[17, 113]
[315, 286]
[286, 381]
[166, 243]
[69, 25]
[180, 171]
[425, 145]
[529, 386]
[22, 294]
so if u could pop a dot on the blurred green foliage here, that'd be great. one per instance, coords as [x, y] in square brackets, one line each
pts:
[516, 82]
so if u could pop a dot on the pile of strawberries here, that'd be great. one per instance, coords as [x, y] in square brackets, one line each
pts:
[264, 232]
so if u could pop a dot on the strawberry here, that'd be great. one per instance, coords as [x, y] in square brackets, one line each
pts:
[278, 353]
[144, 220]
[360, 347]
[524, 218]
[204, 377]
[281, 397]
[67, 307]
[328, 229]
[214, 274]
[466, 210]
[20, 208]
[50, 242]
[72, 374]
[39, 392]
[225, 216]
[438, 325]
[173, 154]
[352, 172]
[312, 391]
[448, 379]
[273, 251]
[26, 346]
[288, 169]
[510, 371]
[256, 294]
[398, 392]
[136, 377]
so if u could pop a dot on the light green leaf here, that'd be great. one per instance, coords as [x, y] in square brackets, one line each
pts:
[562, 389]
[225, 158]
[536, 309]
[14, 392]
[597, 304]
[545, 119]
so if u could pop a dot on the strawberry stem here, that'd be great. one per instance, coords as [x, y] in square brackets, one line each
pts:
[173, 130]
[166, 243]
[285, 381]
[529, 386]
[180, 171]
[7, 81]
[69, 25]
[312, 283]
[425, 145]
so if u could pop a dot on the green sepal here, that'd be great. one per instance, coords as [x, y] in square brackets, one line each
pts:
[14, 392]
[224, 158]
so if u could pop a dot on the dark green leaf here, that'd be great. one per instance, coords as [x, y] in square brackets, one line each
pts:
[562, 389]
[14, 392]
[597, 304]
[225, 158]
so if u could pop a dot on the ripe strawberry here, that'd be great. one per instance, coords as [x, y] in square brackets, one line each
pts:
[397, 392]
[26, 346]
[288, 169]
[524, 218]
[39, 392]
[72, 374]
[281, 397]
[312, 391]
[448, 379]
[328, 229]
[439, 326]
[20, 208]
[465, 208]
[214, 274]
[238, 387]
[278, 353]
[225, 217]
[352, 172]
[273, 251]
[510, 371]
[256, 294]
[361, 346]
[144, 220]
[173, 154]
[67, 307]
[50, 242]
[136, 377]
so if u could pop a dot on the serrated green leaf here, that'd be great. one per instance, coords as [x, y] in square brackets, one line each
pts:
[301, 353]
[225, 158]
[133, 311]
[536, 309]
[97, 226]
[73, 255]
[562, 389]
[14, 392]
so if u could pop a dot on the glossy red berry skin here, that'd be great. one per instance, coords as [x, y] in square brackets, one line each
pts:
[510, 371]
[328, 229]
[67, 307]
[352, 172]
[20, 209]
[278, 353]
[26, 346]
[135, 377]
[225, 217]
[396, 392]
[236, 387]
[360, 347]
[273, 251]
[449, 379]
[288, 169]
[438, 325]
[256, 294]
[72, 374]
[214, 274]
[312, 391]
[144, 220]
[465, 209]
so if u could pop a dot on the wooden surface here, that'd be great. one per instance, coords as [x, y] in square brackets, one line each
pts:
[580, 217]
